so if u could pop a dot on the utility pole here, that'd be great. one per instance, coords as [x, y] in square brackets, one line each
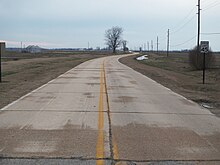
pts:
[168, 41]
[21, 46]
[148, 46]
[198, 37]
[157, 44]
[152, 45]
[2, 50]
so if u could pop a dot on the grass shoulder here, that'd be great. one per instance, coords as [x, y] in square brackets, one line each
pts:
[176, 73]
[24, 72]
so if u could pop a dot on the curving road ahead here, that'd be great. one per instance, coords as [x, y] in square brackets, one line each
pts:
[102, 112]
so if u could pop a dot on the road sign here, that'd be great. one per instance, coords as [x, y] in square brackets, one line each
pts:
[204, 46]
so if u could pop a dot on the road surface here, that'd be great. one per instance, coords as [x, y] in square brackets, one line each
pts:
[103, 112]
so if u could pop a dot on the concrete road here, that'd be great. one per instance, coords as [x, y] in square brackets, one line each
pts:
[103, 112]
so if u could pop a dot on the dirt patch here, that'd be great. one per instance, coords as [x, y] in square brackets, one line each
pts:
[29, 71]
[124, 99]
[175, 73]
[141, 142]
[67, 142]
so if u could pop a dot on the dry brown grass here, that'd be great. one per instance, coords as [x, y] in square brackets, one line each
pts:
[24, 72]
[176, 73]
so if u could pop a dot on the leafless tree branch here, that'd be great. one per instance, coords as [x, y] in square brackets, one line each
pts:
[113, 37]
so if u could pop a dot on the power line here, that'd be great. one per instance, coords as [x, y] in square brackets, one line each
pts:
[211, 6]
[187, 16]
[207, 2]
[199, 9]
[163, 39]
[210, 33]
[187, 41]
[183, 25]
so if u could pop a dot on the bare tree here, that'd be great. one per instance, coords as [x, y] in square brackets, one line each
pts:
[113, 37]
[124, 44]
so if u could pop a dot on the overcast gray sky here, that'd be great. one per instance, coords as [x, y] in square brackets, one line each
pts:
[74, 23]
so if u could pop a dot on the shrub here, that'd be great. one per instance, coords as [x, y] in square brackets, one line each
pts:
[196, 59]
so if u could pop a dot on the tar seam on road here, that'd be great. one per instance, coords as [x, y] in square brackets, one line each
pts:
[100, 140]
[112, 142]
[115, 112]
[119, 160]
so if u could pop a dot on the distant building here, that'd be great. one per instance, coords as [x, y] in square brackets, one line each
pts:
[33, 49]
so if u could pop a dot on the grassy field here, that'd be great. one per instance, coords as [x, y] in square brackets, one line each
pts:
[24, 72]
[175, 73]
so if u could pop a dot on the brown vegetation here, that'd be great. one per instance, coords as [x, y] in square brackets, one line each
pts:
[196, 59]
[175, 73]
[24, 72]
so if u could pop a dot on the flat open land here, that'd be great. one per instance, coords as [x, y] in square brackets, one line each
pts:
[24, 72]
[103, 112]
[175, 73]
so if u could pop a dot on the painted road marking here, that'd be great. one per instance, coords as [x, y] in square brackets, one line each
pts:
[100, 140]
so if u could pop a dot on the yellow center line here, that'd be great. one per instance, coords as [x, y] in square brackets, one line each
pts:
[100, 140]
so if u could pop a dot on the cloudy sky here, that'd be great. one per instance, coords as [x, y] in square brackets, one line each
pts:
[74, 23]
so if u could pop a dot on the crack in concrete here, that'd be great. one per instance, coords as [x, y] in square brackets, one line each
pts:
[110, 159]
[109, 118]
[115, 112]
